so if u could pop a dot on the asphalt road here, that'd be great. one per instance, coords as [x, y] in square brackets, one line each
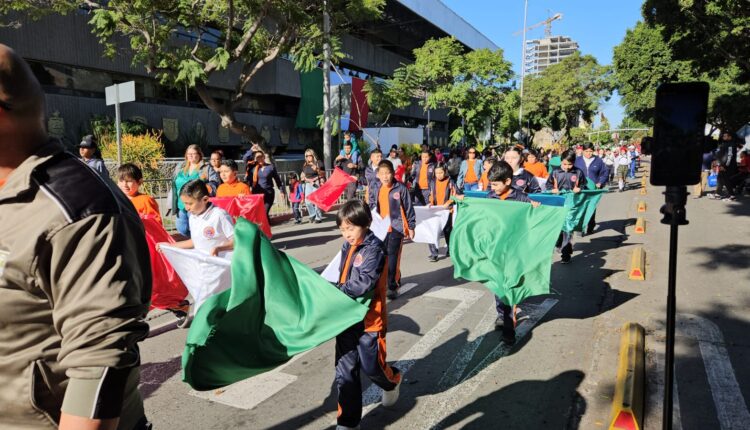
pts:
[560, 373]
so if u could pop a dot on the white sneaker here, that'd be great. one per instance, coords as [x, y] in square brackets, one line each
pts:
[340, 427]
[390, 397]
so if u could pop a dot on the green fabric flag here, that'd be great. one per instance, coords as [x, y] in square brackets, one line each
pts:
[276, 308]
[505, 245]
[311, 101]
[582, 207]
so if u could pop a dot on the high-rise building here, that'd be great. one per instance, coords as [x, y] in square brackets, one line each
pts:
[542, 53]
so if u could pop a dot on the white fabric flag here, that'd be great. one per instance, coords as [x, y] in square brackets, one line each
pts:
[380, 225]
[331, 273]
[542, 183]
[202, 274]
[430, 223]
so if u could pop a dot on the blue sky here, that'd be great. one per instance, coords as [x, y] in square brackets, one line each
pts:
[597, 26]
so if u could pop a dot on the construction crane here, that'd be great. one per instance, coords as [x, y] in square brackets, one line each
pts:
[547, 23]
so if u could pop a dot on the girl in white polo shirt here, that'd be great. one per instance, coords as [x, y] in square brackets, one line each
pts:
[211, 228]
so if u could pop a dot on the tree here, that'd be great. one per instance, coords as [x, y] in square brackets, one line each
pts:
[235, 38]
[564, 92]
[641, 62]
[711, 34]
[470, 85]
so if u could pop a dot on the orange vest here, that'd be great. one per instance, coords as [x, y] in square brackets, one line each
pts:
[471, 175]
[234, 189]
[146, 205]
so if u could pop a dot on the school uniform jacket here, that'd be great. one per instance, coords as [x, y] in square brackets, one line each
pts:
[417, 168]
[597, 170]
[525, 182]
[365, 275]
[402, 215]
[515, 195]
[371, 174]
[450, 191]
[563, 180]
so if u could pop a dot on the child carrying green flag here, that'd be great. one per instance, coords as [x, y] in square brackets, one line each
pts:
[361, 347]
[566, 178]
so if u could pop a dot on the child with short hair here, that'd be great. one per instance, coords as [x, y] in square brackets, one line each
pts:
[391, 198]
[296, 196]
[622, 161]
[230, 185]
[211, 228]
[566, 178]
[501, 177]
[361, 347]
[484, 183]
[129, 180]
[442, 188]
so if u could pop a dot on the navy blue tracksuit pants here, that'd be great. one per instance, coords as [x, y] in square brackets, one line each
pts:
[358, 350]
[394, 241]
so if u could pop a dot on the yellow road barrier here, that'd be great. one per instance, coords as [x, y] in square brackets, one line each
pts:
[627, 405]
[637, 270]
[640, 225]
[641, 206]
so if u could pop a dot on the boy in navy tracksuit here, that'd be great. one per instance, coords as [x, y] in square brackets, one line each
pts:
[371, 171]
[391, 198]
[361, 347]
[500, 178]
[566, 178]
[422, 174]
[442, 188]
[523, 180]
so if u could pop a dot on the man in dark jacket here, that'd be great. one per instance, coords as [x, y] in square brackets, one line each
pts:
[595, 169]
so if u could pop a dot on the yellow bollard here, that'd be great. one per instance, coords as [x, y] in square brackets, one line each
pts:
[637, 270]
[640, 225]
[627, 405]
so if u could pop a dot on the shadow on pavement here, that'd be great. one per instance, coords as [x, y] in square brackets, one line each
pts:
[727, 257]
[153, 375]
[307, 241]
[302, 230]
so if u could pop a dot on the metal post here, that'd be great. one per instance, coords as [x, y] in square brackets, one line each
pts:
[428, 120]
[523, 62]
[674, 215]
[117, 125]
[326, 87]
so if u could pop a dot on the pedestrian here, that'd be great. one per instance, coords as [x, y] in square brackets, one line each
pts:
[350, 163]
[534, 166]
[394, 158]
[353, 154]
[362, 347]
[422, 174]
[609, 161]
[442, 188]
[470, 172]
[453, 165]
[727, 163]
[622, 163]
[371, 171]
[211, 227]
[314, 174]
[522, 180]
[554, 161]
[129, 181]
[261, 177]
[230, 185]
[484, 183]
[214, 166]
[391, 199]
[438, 156]
[75, 279]
[501, 179]
[566, 178]
[708, 159]
[296, 196]
[633, 153]
[90, 155]
[594, 168]
[192, 168]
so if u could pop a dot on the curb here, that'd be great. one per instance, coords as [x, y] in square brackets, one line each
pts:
[627, 405]
[637, 270]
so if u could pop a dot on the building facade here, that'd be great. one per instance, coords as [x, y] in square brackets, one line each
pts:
[542, 53]
[69, 62]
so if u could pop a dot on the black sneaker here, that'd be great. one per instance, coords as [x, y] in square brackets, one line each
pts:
[298, 221]
[565, 259]
[392, 294]
[433, 258]
[447, 254]
[499, 323]
[509, 337]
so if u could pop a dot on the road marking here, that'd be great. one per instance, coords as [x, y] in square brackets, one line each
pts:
[371, 397]
[658, 403]
[730, 405]
[436, 407]
[406, 288]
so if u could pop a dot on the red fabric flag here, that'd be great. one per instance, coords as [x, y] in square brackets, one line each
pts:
[167, 289]
[249, 207]
[327, 195]
[360, 108]
[400, 173]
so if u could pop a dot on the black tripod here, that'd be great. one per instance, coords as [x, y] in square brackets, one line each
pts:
[674, 215]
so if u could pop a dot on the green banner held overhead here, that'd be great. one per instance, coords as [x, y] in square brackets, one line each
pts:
[311, 102]
[276, 308]
[506, 245]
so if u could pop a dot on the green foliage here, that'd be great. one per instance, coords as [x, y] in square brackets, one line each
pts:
[564, 91]
[102, 126]
[144, 150]
[470, 85]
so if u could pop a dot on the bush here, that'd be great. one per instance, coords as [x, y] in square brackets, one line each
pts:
[144, 150]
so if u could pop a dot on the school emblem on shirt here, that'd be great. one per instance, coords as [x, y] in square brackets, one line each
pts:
[209, 232]
[358, 260]
[396, 195]
[574, 178]
[520, 182]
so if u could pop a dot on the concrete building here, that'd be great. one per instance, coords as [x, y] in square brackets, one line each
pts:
[542, 53]
[69, 62]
